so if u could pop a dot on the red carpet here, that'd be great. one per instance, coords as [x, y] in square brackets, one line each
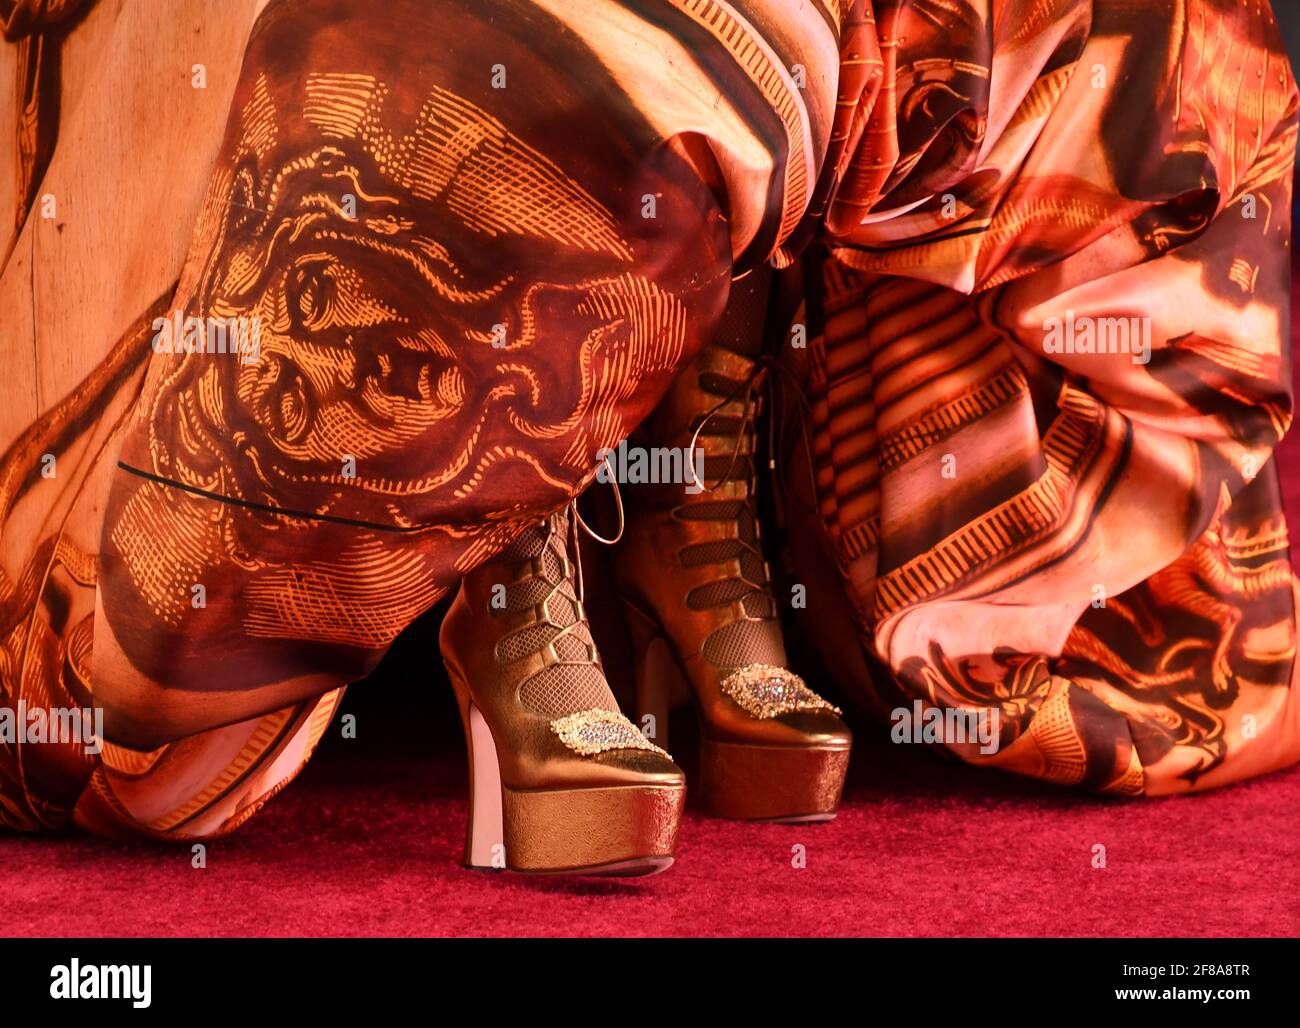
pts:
[367, 845]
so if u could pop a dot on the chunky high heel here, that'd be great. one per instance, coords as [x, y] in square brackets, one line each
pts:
[560, 781]
[699, 604]
[660, 686]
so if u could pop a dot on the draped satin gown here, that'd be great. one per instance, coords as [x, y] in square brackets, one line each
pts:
[1044, 247]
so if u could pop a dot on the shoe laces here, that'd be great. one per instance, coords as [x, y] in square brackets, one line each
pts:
[777, 389]
[577, 524]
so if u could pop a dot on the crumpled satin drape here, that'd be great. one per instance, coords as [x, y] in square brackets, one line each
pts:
[1089, 546]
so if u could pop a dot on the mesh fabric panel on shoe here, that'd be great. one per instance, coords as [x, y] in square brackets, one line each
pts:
[533, 639]
[713, 552]
[576, 683]
[528, 543]
[746, 642]
[757, 603]
[711, 510]
[573, 645]
[760, 604]
[752, 567]
[751, 564]
[522, 595]
[562, 606]
[558, 594]
[716, 594]
[566, 689]
[718, 469]
[525, 642]
[533, 542]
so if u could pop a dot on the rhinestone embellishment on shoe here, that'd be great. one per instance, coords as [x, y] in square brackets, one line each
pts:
[767, 692]
[589, 732]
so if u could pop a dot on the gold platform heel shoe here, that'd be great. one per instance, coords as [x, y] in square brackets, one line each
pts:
[560, 781]
[700, 609]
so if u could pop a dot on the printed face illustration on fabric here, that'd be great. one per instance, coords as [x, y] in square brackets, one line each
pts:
[445, 321]
[390, 329]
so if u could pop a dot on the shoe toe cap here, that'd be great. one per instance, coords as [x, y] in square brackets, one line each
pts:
[818, 728]
[642, 767]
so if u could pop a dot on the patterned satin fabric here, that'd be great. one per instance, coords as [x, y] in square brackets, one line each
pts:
[475, 266]
[1089, 544]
